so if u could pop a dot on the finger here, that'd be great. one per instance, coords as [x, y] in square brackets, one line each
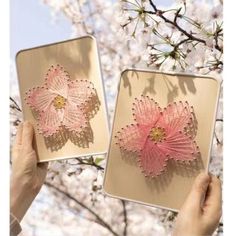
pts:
[27, 136]
[16, 148]
[213, 201]
[197, 194]
[18, 138]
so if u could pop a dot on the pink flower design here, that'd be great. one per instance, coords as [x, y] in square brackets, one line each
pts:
[159, 135]
[61, 102]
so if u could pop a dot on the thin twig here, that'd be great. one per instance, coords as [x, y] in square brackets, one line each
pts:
[90, 162]
[125, 217]
[99, 219]
[15, 105]
[216, 36]
[177, 15]
[181, 42]
[190, 36]
[174, 23]
[153, 5]
[217, 139]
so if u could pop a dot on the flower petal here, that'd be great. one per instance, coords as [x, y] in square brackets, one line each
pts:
[39, 99]
[50, 121]
[179, 117]
[152, 159]
[146, 111]
[80, 91]
[180, 147]
[131, 138]
[74, 118]
[57, 80]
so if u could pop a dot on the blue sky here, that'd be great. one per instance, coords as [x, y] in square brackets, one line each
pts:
[31, 24]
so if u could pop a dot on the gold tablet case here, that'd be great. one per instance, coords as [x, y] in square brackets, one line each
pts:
[123, 178]
[80, 59]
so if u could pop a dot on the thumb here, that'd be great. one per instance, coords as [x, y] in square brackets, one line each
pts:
[195, 199]
[27, 136]
[29, 157]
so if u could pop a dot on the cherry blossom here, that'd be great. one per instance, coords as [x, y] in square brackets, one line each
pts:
[61, 102]
[159, 135]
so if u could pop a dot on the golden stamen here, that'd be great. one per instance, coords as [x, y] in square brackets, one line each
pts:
[59, 102]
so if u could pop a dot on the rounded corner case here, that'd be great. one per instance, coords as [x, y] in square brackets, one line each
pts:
[24, 56]
[106, 189]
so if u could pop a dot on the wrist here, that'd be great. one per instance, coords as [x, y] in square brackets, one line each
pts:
[20, 199]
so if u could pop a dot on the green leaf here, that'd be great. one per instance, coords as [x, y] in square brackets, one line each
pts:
[98, 160]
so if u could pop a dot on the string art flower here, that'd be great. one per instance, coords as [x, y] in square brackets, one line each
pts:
[61, 102]
[159, 134]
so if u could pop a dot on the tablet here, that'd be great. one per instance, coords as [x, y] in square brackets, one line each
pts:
[161, 136]
[62, 95]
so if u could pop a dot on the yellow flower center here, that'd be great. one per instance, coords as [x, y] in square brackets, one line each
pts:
[59, 102]
[157, 134]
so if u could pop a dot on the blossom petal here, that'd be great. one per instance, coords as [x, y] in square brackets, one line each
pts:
[179, 117]
[74, 118]
[180, 147]
[146, 111]
[39, 99]
[131, 138]
[57, 80]
[50, 121]
[177, 128]
[80, 91]
[152, 159]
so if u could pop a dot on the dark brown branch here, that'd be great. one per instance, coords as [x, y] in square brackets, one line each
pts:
[190, 36]
[174, 23]
[125, 217]
[181, 42]
[217, 33]
[90, 162]
[153, 5]
[217, 139]
[98, 218]
[15, 105]
[177, 15]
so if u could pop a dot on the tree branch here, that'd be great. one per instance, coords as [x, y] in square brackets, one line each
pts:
[177, 15]
[89, 162]
[153, 5]
[174, 23]
[217, 139]
[181, 42]
[125, 217]
[15, 105]
[190, 36]
[216, 35]
[98, 218]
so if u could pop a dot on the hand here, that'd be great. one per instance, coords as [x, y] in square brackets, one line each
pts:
[27, 175]
[201, 212]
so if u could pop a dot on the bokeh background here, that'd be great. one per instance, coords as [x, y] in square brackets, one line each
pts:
[71, 203]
